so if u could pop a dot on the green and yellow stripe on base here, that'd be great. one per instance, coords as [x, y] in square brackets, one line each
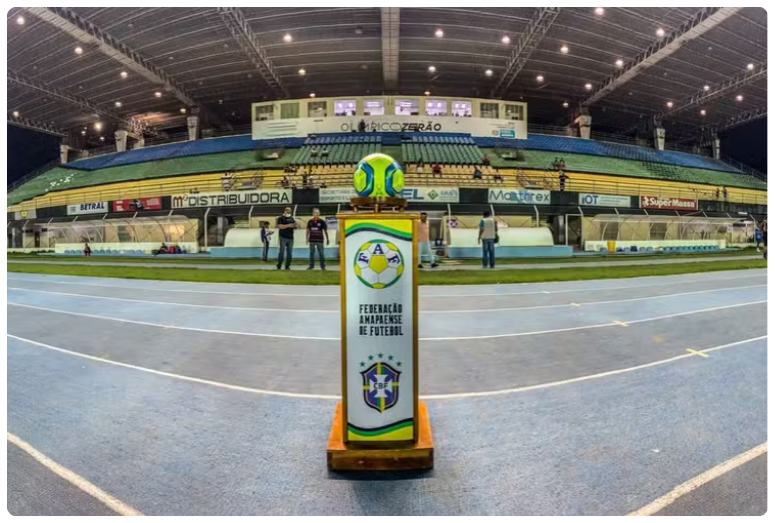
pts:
[399, 431]
[400, 229]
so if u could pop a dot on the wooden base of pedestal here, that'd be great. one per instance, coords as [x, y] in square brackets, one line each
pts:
[417, 456]
[384, 204]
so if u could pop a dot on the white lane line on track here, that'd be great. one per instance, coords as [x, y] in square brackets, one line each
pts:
[323, 311]
[445, 338]
[609, 324]
[422, 296]
[113, 503]
[698, 481]
[459, 395]
[585, 378]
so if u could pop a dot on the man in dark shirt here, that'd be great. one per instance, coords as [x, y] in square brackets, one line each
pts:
[285, 224]
[316, 230]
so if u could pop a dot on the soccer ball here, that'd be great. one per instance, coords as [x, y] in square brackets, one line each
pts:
[378, 264]
[378, 175]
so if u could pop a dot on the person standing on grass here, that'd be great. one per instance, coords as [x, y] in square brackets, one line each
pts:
[757, 235]
[285, 224]
[424, 239]
[316, 230]
[488, 231]
[266, 237]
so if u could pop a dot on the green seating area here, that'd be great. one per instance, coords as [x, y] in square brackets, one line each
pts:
[59, 178]
[637, 169]
[334, 154]
[430, 153]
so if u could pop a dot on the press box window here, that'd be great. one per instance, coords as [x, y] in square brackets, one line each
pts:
[488, 110]
[289, 110]
[373, 107]
[264, 112]
[435, 108]
[317, 109]
[515, 112]
[407, 108]
[344, 108]
[463, 109]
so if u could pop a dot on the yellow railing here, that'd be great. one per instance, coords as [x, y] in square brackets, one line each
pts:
[577, 182]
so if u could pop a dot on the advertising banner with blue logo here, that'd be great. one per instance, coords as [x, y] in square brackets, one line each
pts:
[76, 209]
[410, 194]
[518, 196]
[604, 200]
[379, 328]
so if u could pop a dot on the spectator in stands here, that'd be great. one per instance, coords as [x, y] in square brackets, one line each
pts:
[477, 173]
[486, 160]
[310, 182]
[497, 176]
[226, 182]
[266, 237]
[726, 194]
[324, 152]
[562, 164]
[436, 170]
[420, 169]
[362, 126]
[304, 178]
[314, 151]
[718, 194]
[316, 230]
[86, 250]
[286, 182]
[424, 239]
[563, 178]
[286, 225]
[488, 236]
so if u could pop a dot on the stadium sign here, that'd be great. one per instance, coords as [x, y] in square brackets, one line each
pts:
[518, 196]
[379, 328]
[228, 199]
[431, 194]
[603, 200]
[336, 195]
[410, 194]
[87, 208]
[138, 204]
[302, 127]
[668, 204]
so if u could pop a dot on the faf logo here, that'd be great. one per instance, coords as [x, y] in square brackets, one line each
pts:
[380, 384]
[378, 264]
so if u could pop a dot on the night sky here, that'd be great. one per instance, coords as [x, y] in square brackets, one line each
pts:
[29, 150]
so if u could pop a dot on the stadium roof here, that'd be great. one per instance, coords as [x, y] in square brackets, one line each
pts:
[139, 67]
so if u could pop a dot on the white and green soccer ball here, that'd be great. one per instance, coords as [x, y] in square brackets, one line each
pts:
[378, 264]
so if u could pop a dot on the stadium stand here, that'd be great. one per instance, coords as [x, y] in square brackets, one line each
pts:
[337, 150]
[459, 153]
[567, 145]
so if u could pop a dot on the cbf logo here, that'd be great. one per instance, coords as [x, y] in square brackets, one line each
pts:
[378, 264]
[380, 384]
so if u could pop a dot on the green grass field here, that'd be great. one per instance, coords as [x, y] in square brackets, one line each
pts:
[207, 260]
[463, 277]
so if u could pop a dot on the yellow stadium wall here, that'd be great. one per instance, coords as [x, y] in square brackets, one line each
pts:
[578, 182]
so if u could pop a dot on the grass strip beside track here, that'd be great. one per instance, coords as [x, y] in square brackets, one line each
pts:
[206, 259]
[426, 277]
